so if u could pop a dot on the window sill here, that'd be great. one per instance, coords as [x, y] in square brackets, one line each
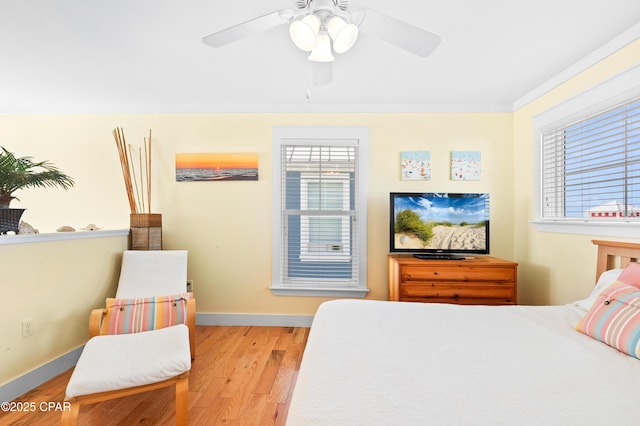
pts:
[319, 292]
[60, 236]
[604, 229]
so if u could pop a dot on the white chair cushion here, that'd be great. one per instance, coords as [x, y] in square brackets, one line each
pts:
[146, 273]
[126, 360]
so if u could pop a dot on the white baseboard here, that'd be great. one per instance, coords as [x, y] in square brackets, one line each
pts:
[34, 378]
[23, 384]
[254, 320]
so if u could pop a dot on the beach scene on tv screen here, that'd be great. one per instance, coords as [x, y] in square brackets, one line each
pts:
[440, 223]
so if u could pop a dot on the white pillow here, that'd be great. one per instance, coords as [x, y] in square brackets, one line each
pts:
[606, 279]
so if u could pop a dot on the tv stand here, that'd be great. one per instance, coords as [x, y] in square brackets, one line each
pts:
[438, 256]
[483, 280]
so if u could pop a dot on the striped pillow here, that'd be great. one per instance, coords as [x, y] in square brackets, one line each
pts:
[135, 315]
[614, 318]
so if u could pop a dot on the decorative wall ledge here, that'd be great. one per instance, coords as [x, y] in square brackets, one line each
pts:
[61, 236]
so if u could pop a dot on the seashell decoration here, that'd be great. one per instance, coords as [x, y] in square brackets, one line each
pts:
[24, 228]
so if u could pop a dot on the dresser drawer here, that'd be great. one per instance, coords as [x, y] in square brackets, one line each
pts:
[412, 273]
[455, 292]
[462, 300]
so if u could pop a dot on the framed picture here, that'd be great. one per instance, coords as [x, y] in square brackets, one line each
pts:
[465, 165]
[415, 165]
[216, 167]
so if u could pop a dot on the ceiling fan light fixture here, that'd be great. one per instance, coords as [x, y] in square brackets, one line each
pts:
[322, 50]
[304, 32]
[343, 35]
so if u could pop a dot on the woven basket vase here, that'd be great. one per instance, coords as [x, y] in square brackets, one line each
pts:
[146, 231]
[10, 220]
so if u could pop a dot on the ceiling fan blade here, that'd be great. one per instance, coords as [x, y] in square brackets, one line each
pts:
[252, 26]
[321, 73]
[399, 33]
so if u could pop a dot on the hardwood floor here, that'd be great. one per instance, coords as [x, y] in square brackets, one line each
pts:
[241, 376]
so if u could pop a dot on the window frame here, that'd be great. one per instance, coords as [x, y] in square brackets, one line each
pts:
[614, 91]
[284, 136]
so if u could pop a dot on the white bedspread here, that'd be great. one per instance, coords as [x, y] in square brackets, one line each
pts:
[395, 363]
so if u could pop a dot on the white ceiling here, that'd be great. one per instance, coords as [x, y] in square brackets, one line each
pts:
[147, 55]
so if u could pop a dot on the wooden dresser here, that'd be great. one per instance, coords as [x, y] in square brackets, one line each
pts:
[481, 280]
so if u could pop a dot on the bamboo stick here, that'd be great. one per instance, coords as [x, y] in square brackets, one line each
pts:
[142, 186]
[134, 180]
[135, 194]
[118, 134]
[130, 192]
[148, 173]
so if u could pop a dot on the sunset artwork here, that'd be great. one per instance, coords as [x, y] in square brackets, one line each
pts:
[216, 166]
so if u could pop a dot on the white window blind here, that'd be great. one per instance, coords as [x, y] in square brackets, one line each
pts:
[319, 211]
[320, 238]
[591, 167]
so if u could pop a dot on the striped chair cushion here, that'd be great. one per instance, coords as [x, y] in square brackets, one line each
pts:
[614, 318]
[135, 315]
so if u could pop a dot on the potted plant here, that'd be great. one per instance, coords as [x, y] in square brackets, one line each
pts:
[21, 173]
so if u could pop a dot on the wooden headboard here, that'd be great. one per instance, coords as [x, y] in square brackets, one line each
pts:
[613, 254]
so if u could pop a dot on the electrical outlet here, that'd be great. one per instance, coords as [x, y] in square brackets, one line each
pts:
[189, 286]
[27, 328]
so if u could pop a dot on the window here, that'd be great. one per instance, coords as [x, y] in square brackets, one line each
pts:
[324, 236]
[319, 218]
[591, 168]
[587, 155]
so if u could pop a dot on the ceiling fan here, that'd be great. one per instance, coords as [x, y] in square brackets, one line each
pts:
[322, 27]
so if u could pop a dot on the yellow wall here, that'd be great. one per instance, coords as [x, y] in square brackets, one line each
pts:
[226, 226]
[555, 268]
[55, 284]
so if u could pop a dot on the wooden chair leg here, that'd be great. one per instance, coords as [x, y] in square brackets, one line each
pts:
[182, 401]
[191, 323]
[70, 417]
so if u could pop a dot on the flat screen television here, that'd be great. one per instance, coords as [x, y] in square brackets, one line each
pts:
[439, 225]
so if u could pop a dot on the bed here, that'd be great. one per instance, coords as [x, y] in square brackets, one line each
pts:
[402, 363]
